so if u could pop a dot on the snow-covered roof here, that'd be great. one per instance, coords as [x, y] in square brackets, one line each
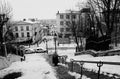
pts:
[25, 22]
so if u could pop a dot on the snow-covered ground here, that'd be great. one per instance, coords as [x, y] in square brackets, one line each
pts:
[6, 61]
[70, 53]
[105, 68]
[35, 67]
[114, 69]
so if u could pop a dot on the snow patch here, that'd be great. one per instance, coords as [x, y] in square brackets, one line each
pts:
[77, 76]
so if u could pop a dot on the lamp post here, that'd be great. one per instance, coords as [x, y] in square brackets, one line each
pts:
[55, 38]
[29, 41]
[55, 58]
[46, 44]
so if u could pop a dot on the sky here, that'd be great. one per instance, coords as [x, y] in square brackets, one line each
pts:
[41, 9]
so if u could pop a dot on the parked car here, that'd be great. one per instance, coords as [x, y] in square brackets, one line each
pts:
[28, 51]
[40, 50]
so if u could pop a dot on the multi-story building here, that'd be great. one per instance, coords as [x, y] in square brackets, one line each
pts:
[26, 30]
[64, 22]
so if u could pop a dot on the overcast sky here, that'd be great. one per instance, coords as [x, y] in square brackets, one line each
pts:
[41, 9]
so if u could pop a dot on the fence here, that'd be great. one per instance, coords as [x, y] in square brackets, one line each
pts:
[99, 64]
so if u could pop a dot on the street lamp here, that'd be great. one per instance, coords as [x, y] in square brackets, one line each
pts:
[55, 57]
[29, 41]
[45, 40]
[55, 38]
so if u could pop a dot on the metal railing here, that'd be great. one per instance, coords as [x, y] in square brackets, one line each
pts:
[99, 64]
[62, 59]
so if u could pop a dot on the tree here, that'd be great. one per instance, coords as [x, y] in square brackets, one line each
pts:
[76, 29]
[5, 16]
[105, 11]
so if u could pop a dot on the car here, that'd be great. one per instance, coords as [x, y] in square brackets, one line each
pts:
[40, 50]
[28, 51]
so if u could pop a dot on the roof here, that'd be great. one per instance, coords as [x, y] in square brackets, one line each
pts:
[25, 23]
[69, 12]
[22, 23]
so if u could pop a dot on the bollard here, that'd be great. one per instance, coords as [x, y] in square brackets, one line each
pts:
[81, 67]
[71, 60]
[99, 64]
[62, 59]
[55, 59]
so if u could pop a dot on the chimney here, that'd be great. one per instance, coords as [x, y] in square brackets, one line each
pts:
[24, 19]
[57, 12]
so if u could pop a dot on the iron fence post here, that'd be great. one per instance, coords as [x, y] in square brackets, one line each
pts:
[99, 64]
[71, 64]
[81, 67]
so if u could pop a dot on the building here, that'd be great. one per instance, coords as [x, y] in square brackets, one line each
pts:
[48, 25]
[26, 30]
[48, 21]
[38, 32]
[64, 22]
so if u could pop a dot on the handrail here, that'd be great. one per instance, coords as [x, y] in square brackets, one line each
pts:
[81, 63]
[104, 62]
[99, 65]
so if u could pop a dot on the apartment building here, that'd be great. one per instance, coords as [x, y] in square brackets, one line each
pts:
[26, 30]
[64, 23]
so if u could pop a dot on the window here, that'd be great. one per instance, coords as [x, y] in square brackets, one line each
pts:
[60, 35]
[67, 35]
[73, 16]
[67, 23]
[16, 28]
[22, 28]
[16, 35]
[61, 29]
[67, 16]
[61, 16]
[35, 33]
[22, 34]
[67, 29]
[27, 28]
[61, 23]
[28, 34]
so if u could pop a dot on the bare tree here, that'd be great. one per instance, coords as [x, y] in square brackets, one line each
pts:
[76, 29]
[5, 15]
[106, 10]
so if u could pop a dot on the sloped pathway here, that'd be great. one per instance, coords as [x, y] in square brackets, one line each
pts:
[34, 67]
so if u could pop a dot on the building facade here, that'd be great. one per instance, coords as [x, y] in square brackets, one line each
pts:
[26, 30]
[64, 23]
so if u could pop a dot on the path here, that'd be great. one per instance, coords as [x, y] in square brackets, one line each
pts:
[34, 67]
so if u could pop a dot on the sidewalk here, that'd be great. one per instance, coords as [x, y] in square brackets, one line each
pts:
[34, 67]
